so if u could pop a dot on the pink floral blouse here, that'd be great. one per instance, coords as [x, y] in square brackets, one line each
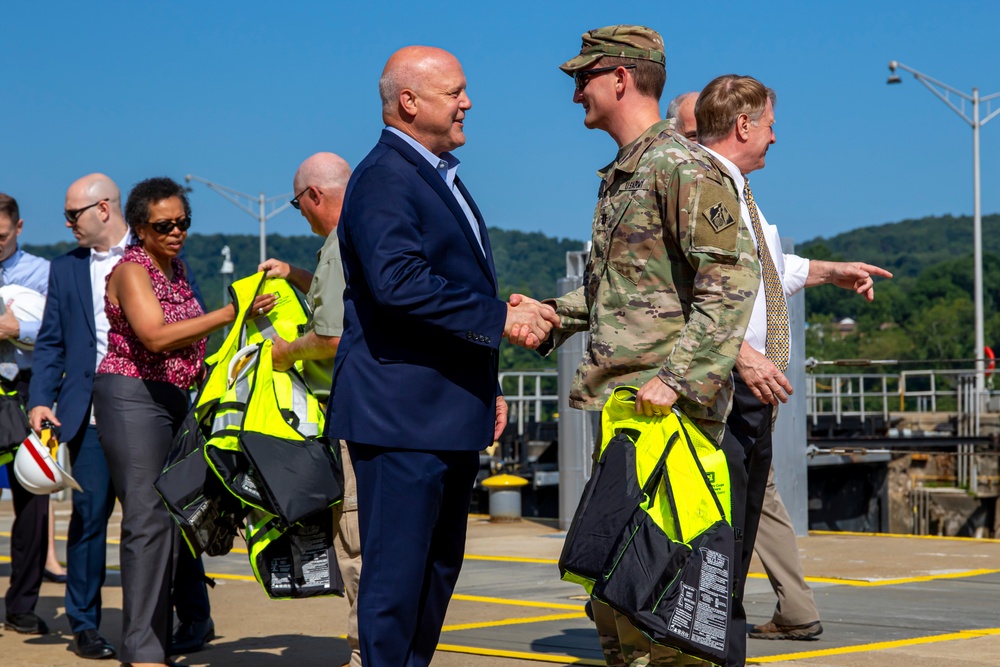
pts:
[126, 353]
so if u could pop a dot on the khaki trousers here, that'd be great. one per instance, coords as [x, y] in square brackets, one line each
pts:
[778, 550]
[348, 548]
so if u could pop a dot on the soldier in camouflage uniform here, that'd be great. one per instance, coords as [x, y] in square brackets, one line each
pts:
[672, 274]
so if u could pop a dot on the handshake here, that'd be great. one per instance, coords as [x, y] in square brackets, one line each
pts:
[528, 321]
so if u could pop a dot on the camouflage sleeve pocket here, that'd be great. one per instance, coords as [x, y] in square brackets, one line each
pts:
[715, 222]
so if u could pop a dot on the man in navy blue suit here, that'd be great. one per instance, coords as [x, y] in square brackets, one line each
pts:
[415, 389]
[71, 343]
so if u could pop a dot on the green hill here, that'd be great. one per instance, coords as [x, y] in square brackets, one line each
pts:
[529, 263]
[926, 311]
[907, 247]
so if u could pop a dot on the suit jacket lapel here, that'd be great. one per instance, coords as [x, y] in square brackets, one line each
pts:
[483, 234]
[81, 276]
[429, 174]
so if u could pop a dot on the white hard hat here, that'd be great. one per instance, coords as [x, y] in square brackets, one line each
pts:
[26, 304]
[37, 471]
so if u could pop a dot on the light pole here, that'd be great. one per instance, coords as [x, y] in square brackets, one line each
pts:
[227, 278]
[944, 93]
[261, 214]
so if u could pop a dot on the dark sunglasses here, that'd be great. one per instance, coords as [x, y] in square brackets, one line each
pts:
[295, 202]
[72, 215]
[583, 77]
[167, 226]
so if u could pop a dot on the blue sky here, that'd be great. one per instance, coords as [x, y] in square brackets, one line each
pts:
[241, 93]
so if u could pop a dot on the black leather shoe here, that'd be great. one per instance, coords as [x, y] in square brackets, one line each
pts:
[92, 646]
[192, 637]
[26, 624]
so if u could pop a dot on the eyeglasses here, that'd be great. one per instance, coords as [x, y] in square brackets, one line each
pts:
[72, 215]
[295, 202]
[167, 226]
[583, 77]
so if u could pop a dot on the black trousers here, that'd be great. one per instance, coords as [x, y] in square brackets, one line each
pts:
[747, 444]
[29, 536]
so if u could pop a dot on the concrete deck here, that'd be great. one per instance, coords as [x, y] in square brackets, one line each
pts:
[884, 600]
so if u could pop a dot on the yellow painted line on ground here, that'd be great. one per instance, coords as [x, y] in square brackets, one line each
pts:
[878, 646]
[511, 559]
[232, 577]
[512, 621]
[517, 603]
[519, 655]
[838, 533]
[864, 583]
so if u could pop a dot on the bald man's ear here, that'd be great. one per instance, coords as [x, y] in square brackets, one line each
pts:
[408, 102]
[104, 210]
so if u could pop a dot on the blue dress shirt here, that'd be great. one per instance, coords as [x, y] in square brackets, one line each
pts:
[447, 165]
[31, 272]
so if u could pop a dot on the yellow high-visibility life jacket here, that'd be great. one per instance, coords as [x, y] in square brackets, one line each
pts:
[696, 496]
[265, 447]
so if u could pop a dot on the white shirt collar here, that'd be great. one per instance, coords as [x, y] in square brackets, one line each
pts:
[733, 170]
[116, 249]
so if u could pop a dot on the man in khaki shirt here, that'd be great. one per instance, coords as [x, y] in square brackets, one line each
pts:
[319, 187]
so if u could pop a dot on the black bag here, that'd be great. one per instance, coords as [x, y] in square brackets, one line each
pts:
[677, 592]
[14, 426]
[296, 477]
[610, 497]
[297, 561]
[208, 515]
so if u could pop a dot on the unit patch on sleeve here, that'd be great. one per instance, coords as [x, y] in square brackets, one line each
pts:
[719, 217]
[716, 223]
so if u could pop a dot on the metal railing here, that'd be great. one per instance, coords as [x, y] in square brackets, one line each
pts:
[526, 398]
[864, 395]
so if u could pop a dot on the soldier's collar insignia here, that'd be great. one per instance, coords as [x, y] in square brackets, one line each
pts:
[719, 217]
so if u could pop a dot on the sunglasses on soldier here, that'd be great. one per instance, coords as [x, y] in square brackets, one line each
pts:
[583, 76]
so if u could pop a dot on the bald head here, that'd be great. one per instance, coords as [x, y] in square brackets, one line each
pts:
[324, 178]
[101, 225]
[96, 187]
[423, 95]
[682, 108]
[409, 68]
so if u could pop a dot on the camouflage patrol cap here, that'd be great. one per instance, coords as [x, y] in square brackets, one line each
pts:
[625, 41]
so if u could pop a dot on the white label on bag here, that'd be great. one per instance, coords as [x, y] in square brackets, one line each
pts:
[702, 614]
[315, 558]
[281, 575]
[680, 620]
[712, 613]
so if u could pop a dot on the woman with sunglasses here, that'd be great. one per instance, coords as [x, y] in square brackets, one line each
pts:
[156, 345]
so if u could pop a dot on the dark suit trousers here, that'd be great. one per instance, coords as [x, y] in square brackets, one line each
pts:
[413, 509]
[29, 536]
[86, 544]
[747, 444]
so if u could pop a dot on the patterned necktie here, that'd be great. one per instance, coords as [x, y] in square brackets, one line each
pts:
[8, 364]
[776, 346]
